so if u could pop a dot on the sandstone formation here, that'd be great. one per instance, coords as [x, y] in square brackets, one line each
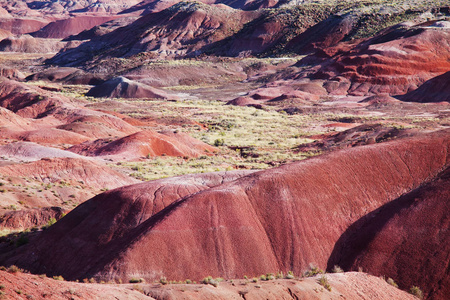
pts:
[278, 219]
[395, 62]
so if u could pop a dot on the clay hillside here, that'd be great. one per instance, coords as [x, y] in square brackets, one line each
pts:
[166, 149]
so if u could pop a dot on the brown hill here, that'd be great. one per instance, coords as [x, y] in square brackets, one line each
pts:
[121, 87]
[278, 219]
[436, 89]
[406, 239]
[145, 144]
[396, 61]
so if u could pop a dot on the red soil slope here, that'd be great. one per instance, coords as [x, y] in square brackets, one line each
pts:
[146, 144]
[69, 170]
[348, 286]
[278, 219]
[394, 62]
[25, 286]
[28, 218]
[406, 239]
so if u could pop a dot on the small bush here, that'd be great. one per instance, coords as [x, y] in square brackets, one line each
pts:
[14, 269]
[337, 269]
[163, 280]
[219, 142]
[188, 281]
[290, 275]
[416, 291]
[136, 280]
[58, 278]
[392, 282]
[323, 281]
[255, 280]
[313, 271]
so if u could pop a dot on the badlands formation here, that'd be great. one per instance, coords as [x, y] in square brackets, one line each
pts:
[165, 149]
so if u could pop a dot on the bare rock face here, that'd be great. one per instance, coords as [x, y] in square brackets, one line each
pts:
[406, 239]
[121, 87]
[279, 219]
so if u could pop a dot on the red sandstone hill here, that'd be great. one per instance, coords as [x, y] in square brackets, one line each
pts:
[396, 61]
[64, 113]
[279, 219]
[145, 144]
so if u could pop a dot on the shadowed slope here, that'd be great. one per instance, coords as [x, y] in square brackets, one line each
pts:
[406, 239]
[278, 219]
[436, 89]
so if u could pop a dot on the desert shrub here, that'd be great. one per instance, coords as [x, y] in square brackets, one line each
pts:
[313, 271]
[136, 280]
[323, 281]
[219, 142]
[14, 269]
[290, 275]
[392, 282]
[416, 291]
[255, 279]
[211, 281]
[163, 280]
[58, 278]
[188, 281]
[337, 269]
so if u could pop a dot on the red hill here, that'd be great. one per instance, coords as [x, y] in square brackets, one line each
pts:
[278, 219]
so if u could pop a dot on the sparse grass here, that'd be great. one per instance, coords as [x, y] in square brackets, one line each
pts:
[323, 281]
[58, 278]
[392, 282]
[416, 291]
[337, 269]
[313, 271]
[137, 280]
